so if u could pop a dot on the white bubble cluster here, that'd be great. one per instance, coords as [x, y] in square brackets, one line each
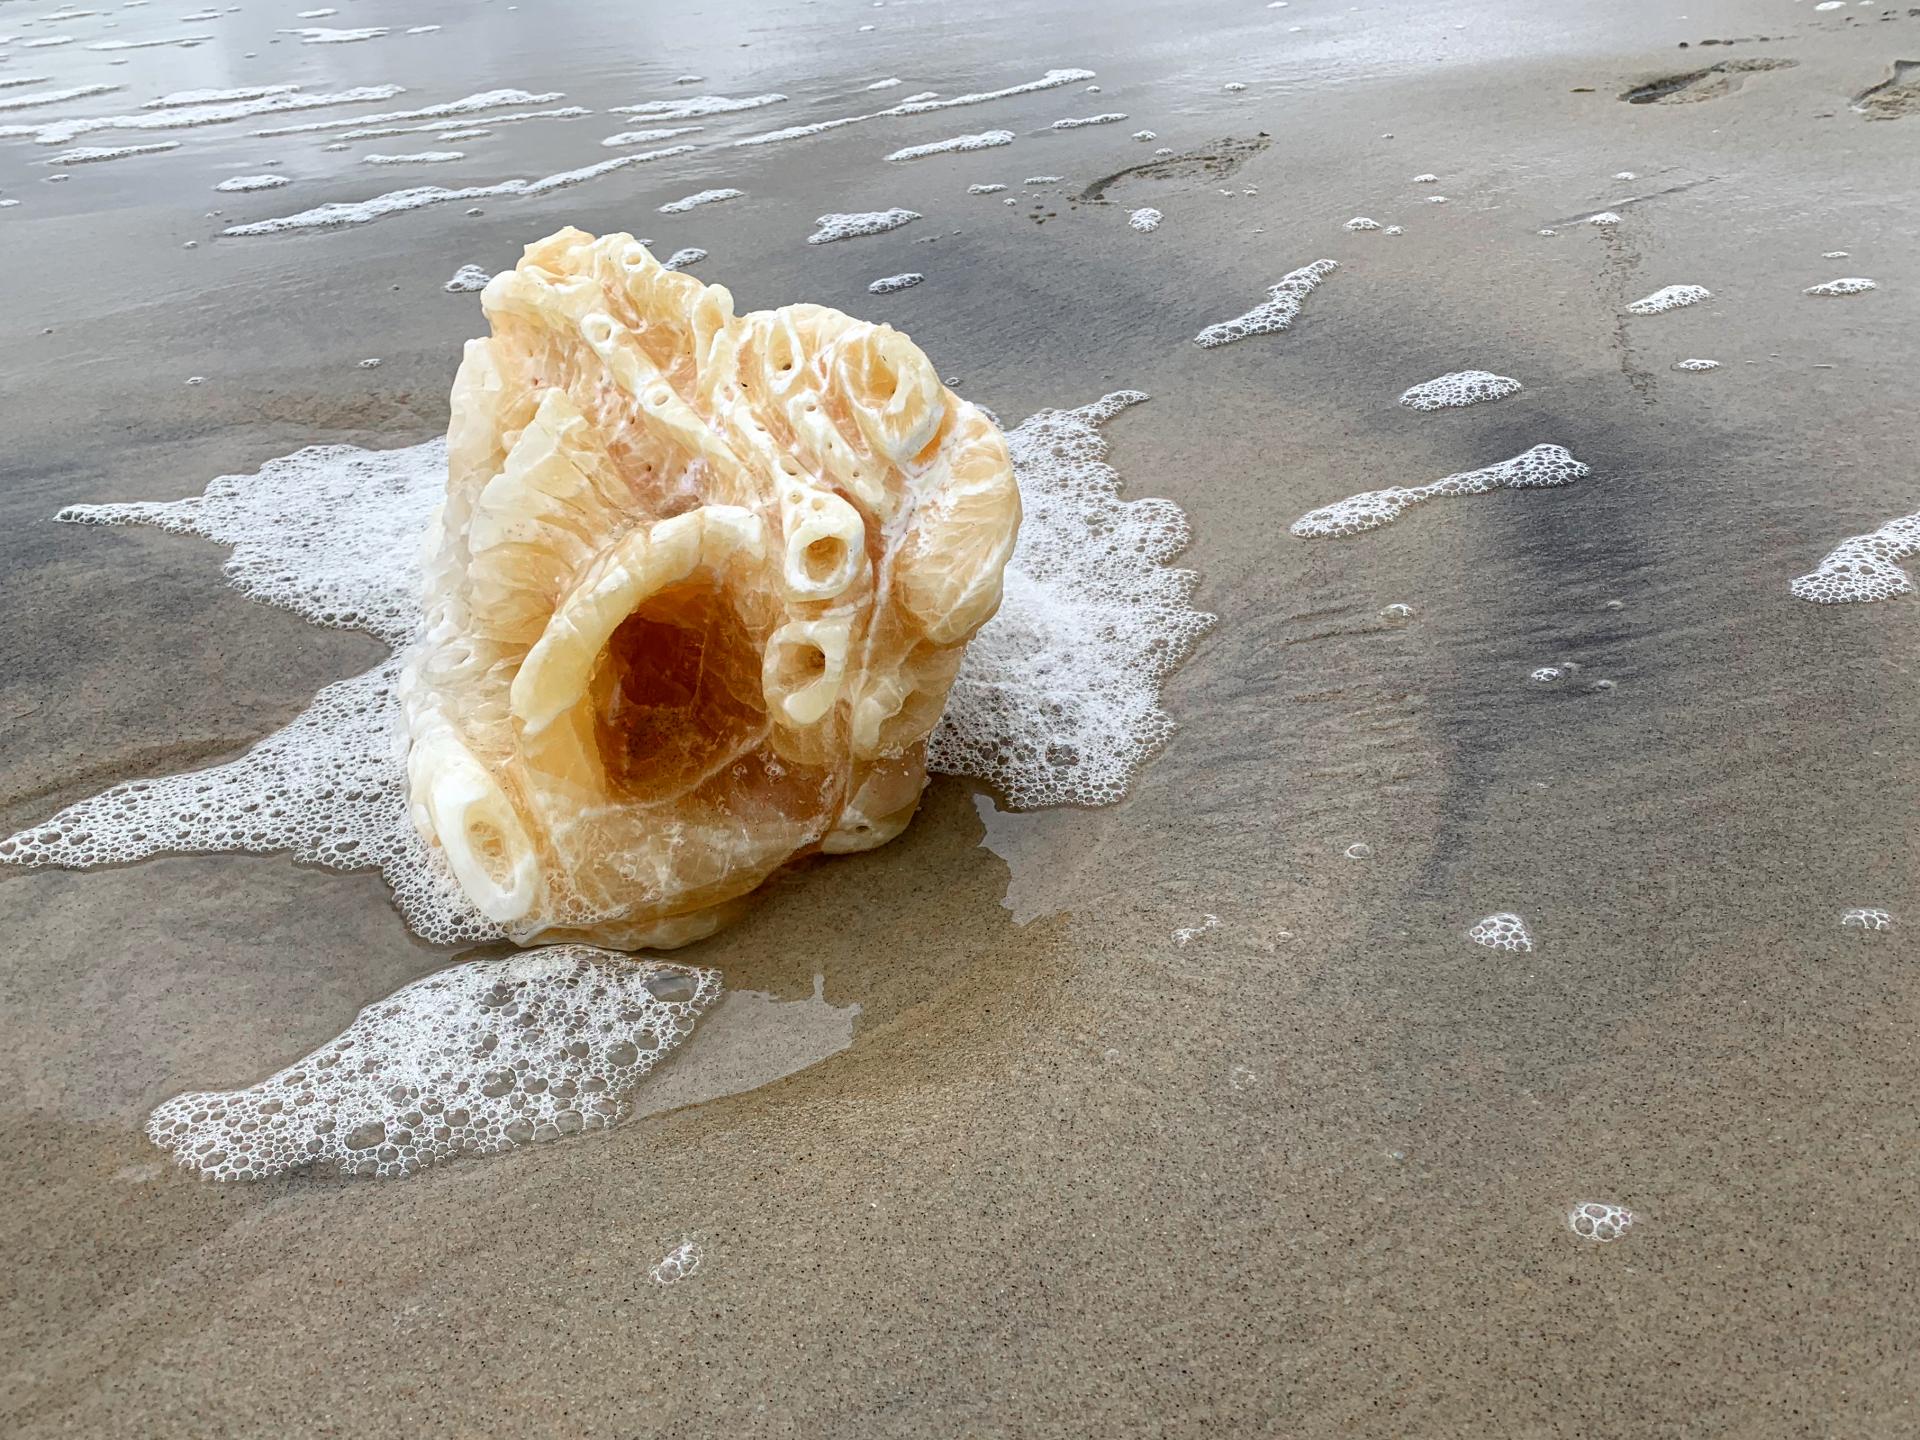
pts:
[848, 226]
[1145, 218]
[1846, 285]
[679, 1263]
[1186, 935]
[1462, 387]
[1541, 467]
[241, 183]
[1276, 313]
[1058, 698]
[1696, 365]
[985, 140]
[1361, 222]
[1866, 919]
[1669, 297]
[704, 197]
[1598, 1221]
[1604, 218]
[888, 284]
[1504, 931]
[468, 277]
[478, 1058]
[1077, 122]
[1864, 567]
[1426, 179]
[1545, 675]
[683, 257]
[986, 189]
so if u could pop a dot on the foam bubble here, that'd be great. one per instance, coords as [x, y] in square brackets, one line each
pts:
[468, 278]
[1393, 230]
[377, 132]
[326, 35]
[697, 105]
[985, 140]
[417, 157]
[1598, 1221]
[1863, 568]
[1145, 135]
[59, 132]
[1846, 285]
[1276, 313]
[465, 105]
[704, 197]
[1502, 931]
[1426, 179]
[1541, 467]
[985, 189]
[1145, 218]
[918, 105]
[852, 225]
[1436, 199]
[185, 40]
[1359, 850]
[1546, 675]
[463, 134]
[86, 154]
[886, 84]
[1073, 123]
[1833, 255]
[1057, 701]
[645, 137]
[1361, 222]
[1043, 180]
[177, 98]
[473, 1060]
[1605, 217]
[1190, 933]
[1461, 388]
[888, 284]
[1626, 175]
[684, 257]
[1669, 297]
[394, 202]
[680, 1263]
[1696, 364]
[36, 98]
[421, 29]
[1866, 919]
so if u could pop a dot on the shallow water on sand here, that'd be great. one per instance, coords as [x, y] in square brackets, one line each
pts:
[1035, 1165]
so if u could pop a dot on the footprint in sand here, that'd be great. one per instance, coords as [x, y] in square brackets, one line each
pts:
[1897, 95]
[1708, 84]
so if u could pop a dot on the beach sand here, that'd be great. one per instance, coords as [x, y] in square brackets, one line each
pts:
[1306, 1174]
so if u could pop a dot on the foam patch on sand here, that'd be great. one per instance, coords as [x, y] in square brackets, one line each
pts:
[465, 105]
[696, 105]
[395, 202]
[562, 112]
[1276, 313]
[647, 137]
[468, 278]
[681, 259]
[1541, 467]
[326, 35]
[418, 157]
[59, 132]
[217, 97]
[1863, 568]
[1669, 297]
[89, 154]
[33, 99]
[478, 1058]
[1598, 1221]
[1461, 388]
[1075, 123]
[1504, 931]
[891, 284]
[244, 183]
[919, 105]
[705, 197]
[1145, 218]
[1696, 365]
[1846, 285]
[1057, 700]
[985, 140]
[852, 225]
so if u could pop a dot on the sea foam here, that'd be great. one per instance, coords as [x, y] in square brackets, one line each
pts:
[985, 140]
[1276, 313]
[1461, 388]
[478, 1058]
[852, 225]
[1864, 567]
[1541, 467]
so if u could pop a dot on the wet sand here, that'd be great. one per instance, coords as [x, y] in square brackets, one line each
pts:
[1306, 1174]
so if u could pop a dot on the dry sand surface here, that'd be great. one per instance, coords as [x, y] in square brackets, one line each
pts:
[1033, 1167]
